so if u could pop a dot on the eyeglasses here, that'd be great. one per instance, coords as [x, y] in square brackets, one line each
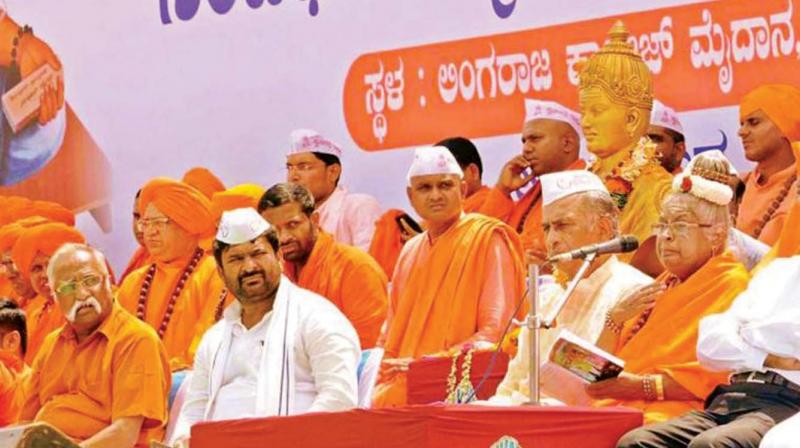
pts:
[159, 223]
[678, 228]
[70, 288]
[302, 167]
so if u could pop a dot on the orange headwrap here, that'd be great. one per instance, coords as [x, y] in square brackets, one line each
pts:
[10, 233]
[179, 202]
[14, 208]
[240, 196]
[780, 102]
[53, 211]
[204, 180]
[45, 239]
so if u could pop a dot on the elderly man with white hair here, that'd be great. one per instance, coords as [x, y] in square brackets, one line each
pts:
[241, 369]
[578, 211]
[102, 378]
[455, 285]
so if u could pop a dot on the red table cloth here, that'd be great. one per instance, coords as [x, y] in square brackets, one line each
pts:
[461, 426]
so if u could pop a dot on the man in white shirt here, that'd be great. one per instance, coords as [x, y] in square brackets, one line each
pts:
[758, 339]
[577, 211]
[314, 162]
[241, 369]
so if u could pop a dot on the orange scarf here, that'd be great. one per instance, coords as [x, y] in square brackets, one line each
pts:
[667, 342]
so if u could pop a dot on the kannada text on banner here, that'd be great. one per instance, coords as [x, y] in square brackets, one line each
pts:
[704, 55]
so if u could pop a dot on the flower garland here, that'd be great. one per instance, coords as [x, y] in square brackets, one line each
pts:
[620, 181]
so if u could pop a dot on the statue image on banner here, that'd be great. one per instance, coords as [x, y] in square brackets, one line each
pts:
[616, 98]
[42, 141]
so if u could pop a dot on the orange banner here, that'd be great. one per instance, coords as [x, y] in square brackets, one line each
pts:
[703, 55]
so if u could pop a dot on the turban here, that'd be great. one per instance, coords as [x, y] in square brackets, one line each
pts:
[179, 202]
[9, 233]
[204, 180]
[45, 238]
[13, 208]
[53, 211]
[240, 196]
[780, 102]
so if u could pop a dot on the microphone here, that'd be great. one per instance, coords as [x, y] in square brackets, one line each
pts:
[620, 244]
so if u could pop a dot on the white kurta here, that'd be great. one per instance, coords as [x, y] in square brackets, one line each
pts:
[350, 217]
[236, 376]
[583, 315]
[764, 319]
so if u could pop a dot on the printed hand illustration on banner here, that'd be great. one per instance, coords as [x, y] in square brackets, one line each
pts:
[475, 87]
[32, 103]
[43, 143]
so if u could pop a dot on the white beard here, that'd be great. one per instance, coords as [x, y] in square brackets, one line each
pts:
[74, 310]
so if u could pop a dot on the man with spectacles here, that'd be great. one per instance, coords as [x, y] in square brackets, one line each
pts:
[103, 377]
[654, 329]
[178, 293]
[314, 162]
[30, 255]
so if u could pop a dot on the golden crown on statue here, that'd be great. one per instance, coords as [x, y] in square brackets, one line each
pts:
[620, 71]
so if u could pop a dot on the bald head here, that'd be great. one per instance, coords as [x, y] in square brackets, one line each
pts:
[73, 255]
[79, 278]
[550, 145]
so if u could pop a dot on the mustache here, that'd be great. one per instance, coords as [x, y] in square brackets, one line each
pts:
[91, 301]
[245, 275]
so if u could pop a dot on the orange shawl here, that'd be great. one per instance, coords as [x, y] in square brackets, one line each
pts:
[528, 208]
[350, 279]
[667, 344]
[386, 242]
[474, 203]
[436, 307]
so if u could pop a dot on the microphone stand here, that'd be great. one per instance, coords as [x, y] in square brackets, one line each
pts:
[535, 322]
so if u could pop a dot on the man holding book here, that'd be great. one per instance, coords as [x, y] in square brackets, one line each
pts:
[577, 211]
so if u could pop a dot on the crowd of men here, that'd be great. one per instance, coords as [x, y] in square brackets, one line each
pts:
[259, 301]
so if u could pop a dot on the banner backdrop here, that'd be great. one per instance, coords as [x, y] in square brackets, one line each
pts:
[157, 87]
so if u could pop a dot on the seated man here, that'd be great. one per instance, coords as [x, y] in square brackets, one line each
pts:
[457, 284]
[103, 377]
[770, 122]
[178, 292]
[343, 274]
[315, 162]
[666, 132]
[31, 254]
[551, 143]
[13, 371]
[241, 368]
[756, 339]
[21, 290]
[577, 211]
[654, 330]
